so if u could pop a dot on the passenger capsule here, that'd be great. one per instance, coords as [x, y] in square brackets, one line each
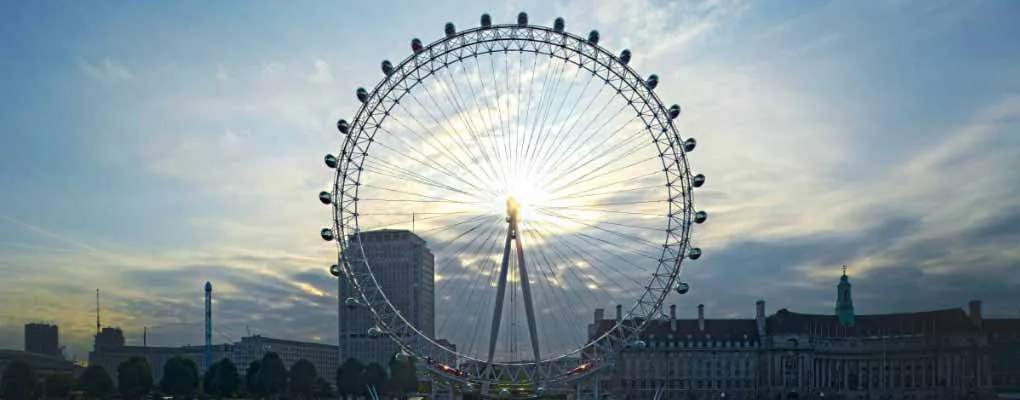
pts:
[387, 67]
[326, 233]
[343, 126]
[375, 331]
[682, 288]
[522, 19]
[559, 25]
[540, 390]
[638, 344]
[450, 29]
[416, 45]
[652, 81]
[325, 197]
[694, 253]
[334, 270]
[504, 393]
[469, 387]
[362, 94]
[674, 111]
[402, 356]
[486, 21]
[593, 37]
[331, 161]
[689, 144]
[700, 217]
[351, 303]
[698, 180]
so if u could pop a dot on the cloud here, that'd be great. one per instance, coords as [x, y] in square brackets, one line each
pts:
[812, 163]
[321, 74]
[107, 71]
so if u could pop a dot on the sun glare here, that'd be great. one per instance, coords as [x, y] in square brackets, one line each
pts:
[528, 196]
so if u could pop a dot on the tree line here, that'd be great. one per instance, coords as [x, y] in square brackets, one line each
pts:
[267, 378]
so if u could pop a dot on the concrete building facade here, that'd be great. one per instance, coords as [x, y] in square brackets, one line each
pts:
[404, 268]
[941, 354]
[42, 339]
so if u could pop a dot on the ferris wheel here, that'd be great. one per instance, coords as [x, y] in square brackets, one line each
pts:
[545, 178]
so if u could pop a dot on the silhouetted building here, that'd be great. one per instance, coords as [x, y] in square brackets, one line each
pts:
[1004, 353]
[941, 354]
[111, 338]
[323, 356]
[42, 339]
[404, 268]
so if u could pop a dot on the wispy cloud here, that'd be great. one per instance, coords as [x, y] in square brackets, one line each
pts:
[106, 71]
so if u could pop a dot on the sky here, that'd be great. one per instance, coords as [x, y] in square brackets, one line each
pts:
[148, 148]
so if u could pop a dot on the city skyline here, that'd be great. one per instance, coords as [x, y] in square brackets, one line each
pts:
[880, 137]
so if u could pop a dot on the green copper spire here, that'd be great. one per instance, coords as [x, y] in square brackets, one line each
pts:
[844, 304]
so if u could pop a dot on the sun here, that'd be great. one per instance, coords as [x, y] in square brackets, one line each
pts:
[528, 195]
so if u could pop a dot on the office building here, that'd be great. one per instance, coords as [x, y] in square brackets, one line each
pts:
[404, 268]
[42, 339]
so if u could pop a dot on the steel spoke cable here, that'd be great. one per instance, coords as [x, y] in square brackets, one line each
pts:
[421, 176]
[501, 165]
[476, 134]
[609, 231]
[587, 192]
[630, 146]
[577, 147]
[503, 128]
[372, 186]
[541, 108]
[588, 176]
[573, 124]
[552, 131]
[491, 242]
[438, 146]
[570, 267]
[471, 289]
[579, 220]
[615, 254]
[580, 139]
[578, 254]
[550, 264]
[574, 167]
[454, 98]
[434, 164]
[583, 235]
[549, 293]
[454, 134]
[545, 131]
[399, 173]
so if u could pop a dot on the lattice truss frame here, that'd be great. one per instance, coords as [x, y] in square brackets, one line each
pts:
[475, 42]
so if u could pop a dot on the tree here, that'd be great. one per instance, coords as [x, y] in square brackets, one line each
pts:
[180, 377]
[134, 378]
[375, 376]
[95, 382]
[403, 376]
[227, 381]
[18, 382]
[272, 377]
[57, 386]
[348, 379]
[323, 390]
[302, 379]
[251, 378]
[209, 380]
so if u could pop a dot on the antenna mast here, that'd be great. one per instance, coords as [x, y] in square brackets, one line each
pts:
[97, 312]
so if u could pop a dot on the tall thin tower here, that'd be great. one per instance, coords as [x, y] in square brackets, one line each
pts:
[97, 312]
[208, 325]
